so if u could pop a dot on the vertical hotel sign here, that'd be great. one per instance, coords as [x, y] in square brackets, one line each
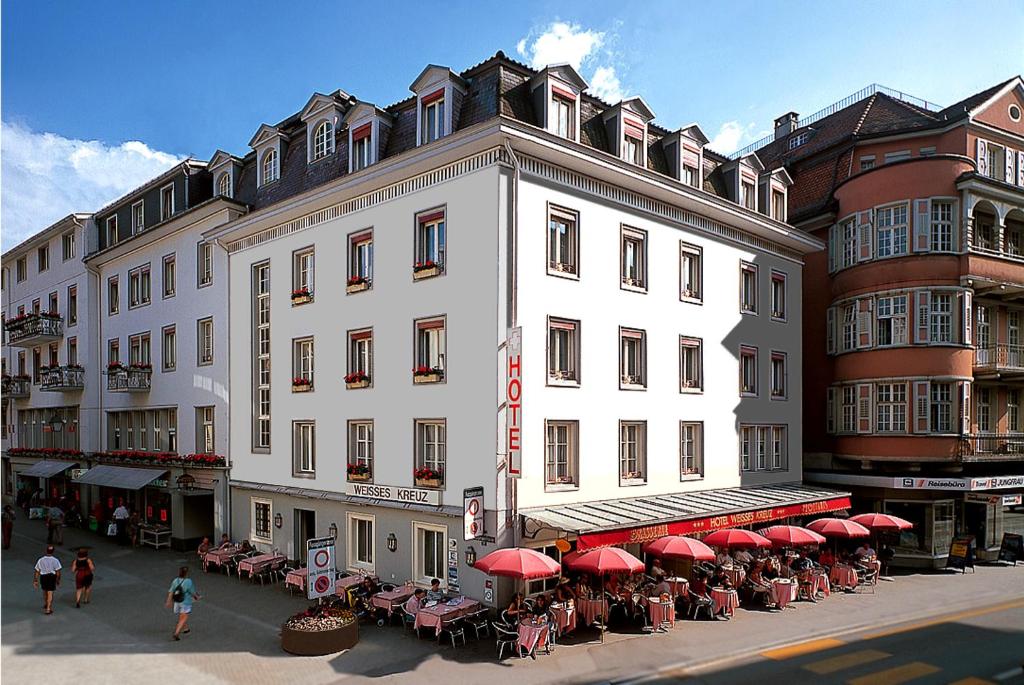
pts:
[514, 401]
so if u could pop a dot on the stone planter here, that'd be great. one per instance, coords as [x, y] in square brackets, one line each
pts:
[429, 272]
[427, 378]
[355, 385]
[321, 642]
[301, 299]
[428, 482]
[302, 388]
[357, 287]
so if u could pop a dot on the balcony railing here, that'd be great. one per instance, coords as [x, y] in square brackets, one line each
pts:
[31, 329]
[17, 387]
[992, 447]
[1006, 358]
[129, 380]
[62, 378]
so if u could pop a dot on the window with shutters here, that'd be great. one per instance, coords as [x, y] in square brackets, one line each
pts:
[563, 242]
[632, 359]
[849, 409]
[891, 320]
[691, 371]
[848, 233]
[634, 259]
[632, 452]
[940, 408]
[891, 226]
[563, 351]
[748, 288]
[994, 166]
[983, 409]
[891, 408]
[561, 453]
[691, 449]
[849, 327]
[941, 230]
[779, 376]
[1013, 415]
[940, 323]
[691, 275]
[748, 371]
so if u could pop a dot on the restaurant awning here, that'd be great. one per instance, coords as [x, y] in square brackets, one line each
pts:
[640, 519]
[123, 477]
[47, 468]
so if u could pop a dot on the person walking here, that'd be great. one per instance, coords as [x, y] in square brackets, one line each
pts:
[8, 525]
[47, 577]
[55, 525]
[84, 571]
[180, 596]
[120, 517]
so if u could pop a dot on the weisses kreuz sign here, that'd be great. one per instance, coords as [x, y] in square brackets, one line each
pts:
[514, 401]
[394, 493]
[320, 557]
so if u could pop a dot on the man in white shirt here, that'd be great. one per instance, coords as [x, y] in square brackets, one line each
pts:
[121, 516]
[723, 558]
[864, 552]
[47, 577]
[742, 556]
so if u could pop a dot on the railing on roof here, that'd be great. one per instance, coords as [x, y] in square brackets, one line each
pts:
[845, 102]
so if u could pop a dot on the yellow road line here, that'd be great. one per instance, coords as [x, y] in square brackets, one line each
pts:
[948, 618]
[802, 648]
[897, 675]
[971, 680]
[844, 661]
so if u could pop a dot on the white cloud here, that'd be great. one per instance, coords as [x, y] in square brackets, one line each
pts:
[561, 42]
[733, 135]
[605, 84]
[47, 176]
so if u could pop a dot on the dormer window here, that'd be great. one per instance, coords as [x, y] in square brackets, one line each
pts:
[323, 140]
[439, 96]
[368, 128]
[432, 117]
[684, 151]
[224, 168]
[269, 168]
[361, 150]
[224, 185]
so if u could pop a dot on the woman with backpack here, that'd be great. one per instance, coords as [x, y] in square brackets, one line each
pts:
[180, 595]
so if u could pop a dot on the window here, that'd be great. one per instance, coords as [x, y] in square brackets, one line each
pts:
[763, 448]
[360, 358]
[778, 296]
[691, 365]
[779, 448]
[43, 258]
[891, 315]
[1013, 415]
[748, 370]
[54, 359]
[941, 408]
[112, 236]
[204, 264]
[261, 356]
[942, 226]
[849, 234]
[798, 140]
[430, 450]
[867, 162]
[139, 350]
[323, 140]
[891, 223]
[547, 584]
[634, 258]
[993, 167]
[169, 348]
[72, 351]
[302, 275]
[302, 364]
[632, 358]
[634, 151]
[778, 205]
[360, 450]
[113, 295]
[779, 376]
[360, 542]
[428, 559]
[891, 408]
[170, 281]
[748, 197]
[360, 263]
[1014, 111]
[927, 151]
[565, 115]
[113, 351]
[261, 515]
[224, 184]
[72, 305]
[37, 365]
[432, 117]
[691, 449]
[849, 327]
[204, 431]
[269, 167]
[54, 307]
[205, 341]
[22, 269]
[691, 272]
[897, 156]
[138, 217]
[941, 318]
[167, 202]
[632, 451]
[430, 243]
[138, 287]
[563, 351]
[848, 423]
[303, 448]
[748, 288]
[67, 242]
[430, 348]
[690, 176]
[561, 453]
[983, 402]
[362, 152]
[563, 241]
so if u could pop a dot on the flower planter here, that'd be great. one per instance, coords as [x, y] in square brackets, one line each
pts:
[357, 287]
[359, 477]
[428, 482]
[302, 388]
[429, 272]
[301, 299]
[427, 378]
[319, 642]
[355, 385]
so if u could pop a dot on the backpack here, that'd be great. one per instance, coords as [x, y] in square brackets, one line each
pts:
[179, 594]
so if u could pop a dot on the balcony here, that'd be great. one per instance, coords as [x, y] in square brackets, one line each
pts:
[17, 387]
[33, 329]
[129, 379]
[992, 447]
[69, 378]
[999, 361]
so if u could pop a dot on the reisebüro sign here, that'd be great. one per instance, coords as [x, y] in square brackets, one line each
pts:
[394, 493]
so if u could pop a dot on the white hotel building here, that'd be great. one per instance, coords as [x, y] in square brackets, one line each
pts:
[651, 288]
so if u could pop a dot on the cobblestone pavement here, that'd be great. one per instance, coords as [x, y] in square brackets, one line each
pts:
[124, 635]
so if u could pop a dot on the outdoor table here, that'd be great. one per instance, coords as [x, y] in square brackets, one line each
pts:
[392, 599]
[783, 592]
[678, 585]
[736, 574]
[346, 586]
[843, 576]
[564, 617]
[218, 557]
[662, 612]
[297, 579]
[532, 636]
[155, 536]
[590, 609]
[254, 565]
[725, 601]
[442, 612]
[819, 583]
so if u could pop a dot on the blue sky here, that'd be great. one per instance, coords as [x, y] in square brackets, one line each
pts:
[99, 96]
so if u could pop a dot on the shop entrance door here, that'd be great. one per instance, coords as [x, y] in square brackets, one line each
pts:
[305, 528]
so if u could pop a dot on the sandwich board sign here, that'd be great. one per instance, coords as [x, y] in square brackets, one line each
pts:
[320, 558]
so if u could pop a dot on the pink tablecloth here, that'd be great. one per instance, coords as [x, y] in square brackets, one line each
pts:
[661, 612]
[843, 576]
[252, 565]
[532, 636]
[819, 583]
[435, 616]
[678, 585]
[564, 618]
[590, 609]
[391, 600]
[735, 575]
[217, 557]
[783, 592]
[297, 578]
[725, 601]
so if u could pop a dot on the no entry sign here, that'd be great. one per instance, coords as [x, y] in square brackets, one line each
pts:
[473, 509]
[320, 558]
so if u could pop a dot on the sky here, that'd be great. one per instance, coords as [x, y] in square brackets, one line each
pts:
[100, 96]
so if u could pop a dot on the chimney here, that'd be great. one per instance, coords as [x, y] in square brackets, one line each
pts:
[786, 124]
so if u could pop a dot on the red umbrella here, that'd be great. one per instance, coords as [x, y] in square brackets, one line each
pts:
[606, 560]
[736, 537]
[839, 528]
[881, 522]
[677, 546]
[518, 562]
[792, 536]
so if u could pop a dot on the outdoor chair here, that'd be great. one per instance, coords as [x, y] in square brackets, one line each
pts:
[637, 609]
[506, 637]
[866, 578]
[455, 629]
[478, 622]
[528, 603]
[387, 587]
[409, 621]
[699, 604]
[506, 618]
[282, 574]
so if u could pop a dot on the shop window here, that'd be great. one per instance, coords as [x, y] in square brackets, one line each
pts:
[261, 516]
[547, 584]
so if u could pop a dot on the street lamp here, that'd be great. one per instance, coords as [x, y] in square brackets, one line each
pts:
[332, 530]
[56, 423]
[470, 556]
[392, 542]
[278, 520]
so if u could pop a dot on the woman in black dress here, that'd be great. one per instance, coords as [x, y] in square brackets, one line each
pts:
[83, 577]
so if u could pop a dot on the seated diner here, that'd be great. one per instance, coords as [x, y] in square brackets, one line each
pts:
[435, 593]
